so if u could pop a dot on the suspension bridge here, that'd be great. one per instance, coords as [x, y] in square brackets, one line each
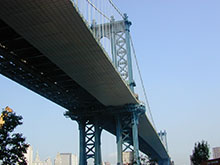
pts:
[80, 55]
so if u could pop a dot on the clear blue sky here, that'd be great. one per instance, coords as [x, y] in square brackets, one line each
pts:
[178, 47]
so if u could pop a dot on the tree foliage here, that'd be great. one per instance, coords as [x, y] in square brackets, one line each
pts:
[200, 153]
[12, 145]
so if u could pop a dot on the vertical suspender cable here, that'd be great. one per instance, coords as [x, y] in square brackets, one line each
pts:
[94, 20]
[102, 9]
[99, 4]
[84, 9]
[106, 26]
[109, 32]
[88, 14]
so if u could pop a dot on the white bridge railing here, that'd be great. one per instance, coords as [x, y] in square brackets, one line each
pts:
[98, 14]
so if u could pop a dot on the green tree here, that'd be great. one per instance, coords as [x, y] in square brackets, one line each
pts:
[12, 145]
[200, 153]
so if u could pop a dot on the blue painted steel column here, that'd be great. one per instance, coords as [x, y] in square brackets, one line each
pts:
[135, 138]
[113, 44]
[119, 140]
[98, 157]
[128, 48]
[82, 145]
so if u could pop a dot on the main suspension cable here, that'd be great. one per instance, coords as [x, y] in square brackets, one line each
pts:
[110, 1]
[142, 83]
[99, 11]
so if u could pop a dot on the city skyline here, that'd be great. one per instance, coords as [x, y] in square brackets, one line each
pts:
[33, 158]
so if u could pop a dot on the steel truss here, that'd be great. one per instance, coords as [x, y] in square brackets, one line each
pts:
[118, 33]
[90, 141]
[127, 135]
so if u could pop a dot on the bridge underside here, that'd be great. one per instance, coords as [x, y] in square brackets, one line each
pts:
[23, 63]
[46, 59]
[58, 31]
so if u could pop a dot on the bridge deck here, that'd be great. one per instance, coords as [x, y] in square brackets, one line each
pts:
[57, 30]
[51, 35]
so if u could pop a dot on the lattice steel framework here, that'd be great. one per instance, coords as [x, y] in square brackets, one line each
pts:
[121, 52]
[90, 142]
[126, 123]
[127, 135]
[118, 33]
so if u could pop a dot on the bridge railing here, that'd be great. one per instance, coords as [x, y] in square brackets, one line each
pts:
[97, 14]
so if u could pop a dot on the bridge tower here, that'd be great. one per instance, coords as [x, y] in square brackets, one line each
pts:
[119, 36]
[126, 123]
[125, 116]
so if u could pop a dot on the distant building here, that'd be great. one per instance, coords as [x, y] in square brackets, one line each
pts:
[48, 162]
[216, 152]
[65, 159]
[37, 160]
[128, 158]
[57, 160]
[60, 159]
[29, 155]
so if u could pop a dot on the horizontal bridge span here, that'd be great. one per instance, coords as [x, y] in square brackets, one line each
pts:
[57, 30]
